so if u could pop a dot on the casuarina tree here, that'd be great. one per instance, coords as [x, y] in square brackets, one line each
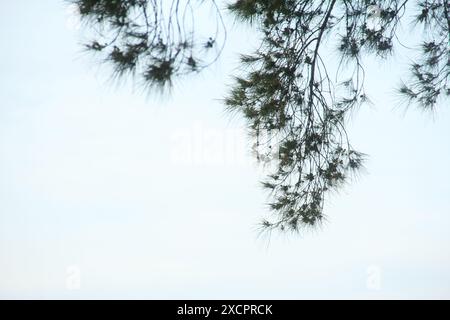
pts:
[294, 107]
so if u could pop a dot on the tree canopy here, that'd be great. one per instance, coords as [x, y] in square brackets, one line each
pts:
[293, 106]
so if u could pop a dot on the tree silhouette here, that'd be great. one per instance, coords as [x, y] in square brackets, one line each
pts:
[293, 107]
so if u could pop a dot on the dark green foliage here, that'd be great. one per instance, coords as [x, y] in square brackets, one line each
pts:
[289, 96]
[153, 39]
[291, 104]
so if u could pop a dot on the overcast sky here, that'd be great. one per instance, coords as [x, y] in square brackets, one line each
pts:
[109, 192]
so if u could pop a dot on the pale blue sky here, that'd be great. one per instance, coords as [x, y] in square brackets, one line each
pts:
[90, 181]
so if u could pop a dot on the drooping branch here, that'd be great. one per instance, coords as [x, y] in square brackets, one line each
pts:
[295, 111]
[154, 39]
